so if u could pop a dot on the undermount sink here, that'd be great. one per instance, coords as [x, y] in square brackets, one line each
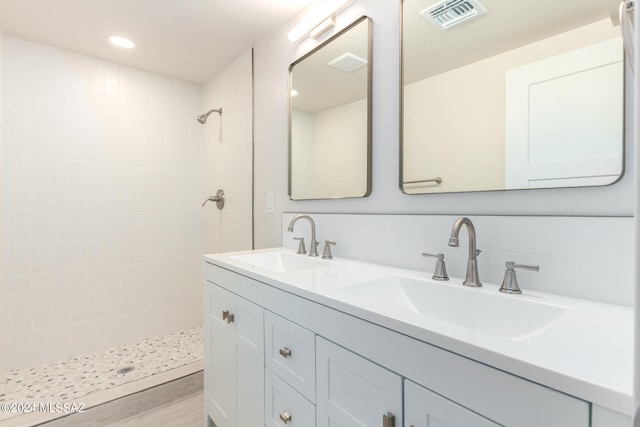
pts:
[516, 318]
[281, 262]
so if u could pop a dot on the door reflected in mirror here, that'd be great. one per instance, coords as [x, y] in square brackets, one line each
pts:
[330, 117]
[511, 95]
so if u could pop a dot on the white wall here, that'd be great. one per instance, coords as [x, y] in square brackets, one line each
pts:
[3, 262]
[636, 231]
[227, 156]
[103, 186]
[273, 55]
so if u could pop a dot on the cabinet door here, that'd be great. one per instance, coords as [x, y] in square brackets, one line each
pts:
[235, 369]
[422, 408]
[352, 391]
[248, 326]
[220, 369]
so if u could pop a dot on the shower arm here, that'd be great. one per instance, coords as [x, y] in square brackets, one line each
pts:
[202, 118]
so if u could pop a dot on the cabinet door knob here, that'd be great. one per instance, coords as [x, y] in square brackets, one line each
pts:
[229, 317]
[285, 352]
[388, 420]
[285, 417]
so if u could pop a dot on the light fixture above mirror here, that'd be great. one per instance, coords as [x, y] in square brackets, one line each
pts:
[319, 21]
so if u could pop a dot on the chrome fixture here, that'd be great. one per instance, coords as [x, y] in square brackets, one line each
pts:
[510, 281]
[285, 417]
[472, 278]
[285, 352]
[218, 198]
[437, 180]
[202, 118]
[441, 270]
[326, 253]
[302, 250]
[313, 247]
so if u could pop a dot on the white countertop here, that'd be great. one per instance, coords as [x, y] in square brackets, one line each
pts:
[586, 353]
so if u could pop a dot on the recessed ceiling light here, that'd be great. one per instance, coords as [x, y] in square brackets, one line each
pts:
[121, 42]
[294, 92]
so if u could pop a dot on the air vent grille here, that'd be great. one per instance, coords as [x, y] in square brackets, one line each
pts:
[447, 13]
[348, 62]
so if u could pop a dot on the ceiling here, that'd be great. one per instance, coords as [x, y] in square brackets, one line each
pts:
[191, 40]
[507, 25]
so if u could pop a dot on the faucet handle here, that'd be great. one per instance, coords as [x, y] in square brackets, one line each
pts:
[440, 272]
[301, 248]
[326, 253]
[523, 266]
[510, 281]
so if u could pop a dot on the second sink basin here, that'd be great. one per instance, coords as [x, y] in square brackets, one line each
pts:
[516, 318]
[281, 262]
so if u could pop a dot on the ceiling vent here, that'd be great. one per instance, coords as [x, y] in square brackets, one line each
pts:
[447, 13]
[348, 62]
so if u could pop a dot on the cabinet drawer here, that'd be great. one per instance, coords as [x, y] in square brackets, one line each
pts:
[284, 406]
[290, 353]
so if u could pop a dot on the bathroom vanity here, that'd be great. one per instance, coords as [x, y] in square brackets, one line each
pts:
[302, 341]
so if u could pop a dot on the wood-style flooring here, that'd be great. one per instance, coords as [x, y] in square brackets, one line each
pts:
[185, 412]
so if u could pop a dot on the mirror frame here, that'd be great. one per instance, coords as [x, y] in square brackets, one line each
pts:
[369, 108]
[401, 133]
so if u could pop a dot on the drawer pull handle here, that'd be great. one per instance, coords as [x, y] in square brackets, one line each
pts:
[285, 417]
[285, 352]
[389, 420]
[229, 317]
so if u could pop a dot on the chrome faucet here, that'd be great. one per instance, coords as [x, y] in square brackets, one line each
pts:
[472, 278]
[313, 246]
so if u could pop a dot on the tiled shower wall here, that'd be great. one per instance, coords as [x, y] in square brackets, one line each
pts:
[102, 186]
[2, 257]
[227, 155]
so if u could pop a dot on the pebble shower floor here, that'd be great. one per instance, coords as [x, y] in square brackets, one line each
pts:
[85, 374]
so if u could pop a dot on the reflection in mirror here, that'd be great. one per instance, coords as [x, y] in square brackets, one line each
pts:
[511, 95]
[330, 117]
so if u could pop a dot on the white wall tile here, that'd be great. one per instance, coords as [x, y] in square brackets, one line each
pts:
[41, 128]
[70, 241]
[20, 178]
[41, 176]
[60, 142]
[70, 186]
[20, 245]
[78, 133]
[103, 180]
[575, 254]
[41, 243]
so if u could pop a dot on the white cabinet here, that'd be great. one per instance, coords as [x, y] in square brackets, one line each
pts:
[423, 408]
[325, 367]
[234, 357]
[353, 391]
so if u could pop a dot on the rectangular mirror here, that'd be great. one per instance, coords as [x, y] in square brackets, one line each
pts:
[504, 95]
[330, 117]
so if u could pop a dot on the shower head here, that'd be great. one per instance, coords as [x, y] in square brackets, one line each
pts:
[203, 117]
